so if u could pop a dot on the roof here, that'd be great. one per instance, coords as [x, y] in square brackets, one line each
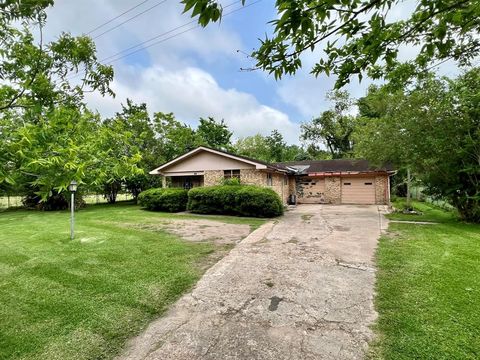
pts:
[337, 165]
[258, 163]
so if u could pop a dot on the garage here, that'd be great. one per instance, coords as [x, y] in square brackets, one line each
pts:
[310, 190]
[358, 190]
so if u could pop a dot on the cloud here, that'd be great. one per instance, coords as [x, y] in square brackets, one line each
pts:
[191, 93]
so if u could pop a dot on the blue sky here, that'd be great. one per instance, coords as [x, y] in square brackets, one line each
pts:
[197, 74]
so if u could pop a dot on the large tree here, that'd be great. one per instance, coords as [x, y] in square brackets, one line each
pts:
[34, 75]
[362, 36]
[215, 134]
[334, 127]
[435, 130]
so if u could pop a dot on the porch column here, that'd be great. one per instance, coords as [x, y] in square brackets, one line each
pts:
[164, 181]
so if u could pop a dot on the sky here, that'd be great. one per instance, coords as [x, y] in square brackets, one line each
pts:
[196, 73]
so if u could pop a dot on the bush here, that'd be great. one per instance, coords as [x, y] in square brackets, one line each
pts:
[243, 200]
[164, 199]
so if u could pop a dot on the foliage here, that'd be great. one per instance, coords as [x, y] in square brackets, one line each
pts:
[67, 144]
[426, 298]
[334, 127]
[168, 199]
[214, 134]
[243, 200]
[35, 75]
[434, 129]
[276, 145]
[361, 37]
[271, 148]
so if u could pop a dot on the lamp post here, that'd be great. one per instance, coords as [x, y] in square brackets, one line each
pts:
[72, 187]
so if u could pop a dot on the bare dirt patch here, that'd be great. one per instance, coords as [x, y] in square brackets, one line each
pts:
[200, 230]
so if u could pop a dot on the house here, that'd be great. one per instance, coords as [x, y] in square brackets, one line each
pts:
[342, 181]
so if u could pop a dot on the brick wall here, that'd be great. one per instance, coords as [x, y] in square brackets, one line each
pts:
[212, 177]
[259, 178]
[333, 191]
[381, 189]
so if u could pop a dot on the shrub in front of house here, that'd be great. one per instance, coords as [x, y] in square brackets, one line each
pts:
[164, 199]
[243, 200]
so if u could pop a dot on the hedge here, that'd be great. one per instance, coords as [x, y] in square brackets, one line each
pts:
[164, 199]
[243, 200]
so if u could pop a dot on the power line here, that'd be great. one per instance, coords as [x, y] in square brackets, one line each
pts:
[177, 34]
[116, 17]
[162, 34]
[165, 39]
[129, 19]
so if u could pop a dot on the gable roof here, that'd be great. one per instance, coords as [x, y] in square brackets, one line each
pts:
[336, 165]
[257, 163]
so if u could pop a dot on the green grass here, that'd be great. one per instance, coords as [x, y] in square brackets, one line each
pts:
[429, 212]
[82, 299]
[428, 290]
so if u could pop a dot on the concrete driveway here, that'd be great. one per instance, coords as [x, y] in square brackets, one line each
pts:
[297, 288]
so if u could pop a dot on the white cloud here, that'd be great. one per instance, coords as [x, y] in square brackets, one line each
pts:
[191, 93]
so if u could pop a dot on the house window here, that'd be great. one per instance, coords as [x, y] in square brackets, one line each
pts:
[228, 174]
[269, 179]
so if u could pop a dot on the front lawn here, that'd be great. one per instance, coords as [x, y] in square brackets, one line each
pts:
[82, 299]
[426, 212]
[428, 290]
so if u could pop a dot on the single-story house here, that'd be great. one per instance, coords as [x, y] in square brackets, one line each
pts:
[342, 181]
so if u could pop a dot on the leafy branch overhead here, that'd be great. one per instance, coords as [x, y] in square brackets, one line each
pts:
[362, 37]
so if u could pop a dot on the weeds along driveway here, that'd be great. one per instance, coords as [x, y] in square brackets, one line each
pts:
[297, 288]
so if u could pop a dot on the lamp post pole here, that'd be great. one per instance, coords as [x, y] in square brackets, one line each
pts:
[72, 216]
[72, 187]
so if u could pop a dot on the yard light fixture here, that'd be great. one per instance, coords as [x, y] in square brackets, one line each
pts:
[73, 188]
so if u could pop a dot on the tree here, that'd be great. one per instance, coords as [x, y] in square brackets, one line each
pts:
[276, 146]
[334, 127]
[434, 129]
[135, 119]
[174, 138]
[68, 144]
[214, 134]
[35, 75]
[359, 37]
[254, 146]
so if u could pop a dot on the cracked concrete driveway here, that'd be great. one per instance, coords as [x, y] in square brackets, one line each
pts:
[297, 288]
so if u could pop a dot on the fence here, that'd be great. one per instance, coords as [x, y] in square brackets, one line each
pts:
[16, 201]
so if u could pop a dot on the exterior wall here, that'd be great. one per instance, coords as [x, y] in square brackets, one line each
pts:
[259, 178]
[382, 197]
[212, 177]
[333, 190]
[203, 161]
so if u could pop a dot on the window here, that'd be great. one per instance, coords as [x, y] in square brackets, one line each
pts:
[269, 179]
[347, 183]
[368, 183]
[228, 174]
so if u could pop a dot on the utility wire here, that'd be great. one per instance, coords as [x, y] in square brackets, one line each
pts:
[165, 39]
[129, 19]
[116, 17]
[177, 34]
[161, 35]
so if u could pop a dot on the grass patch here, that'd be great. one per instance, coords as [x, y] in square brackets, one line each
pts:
[428, 290]
[429, 212]
[83, 299]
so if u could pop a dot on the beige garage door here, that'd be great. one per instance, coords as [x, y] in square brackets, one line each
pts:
[358, 191]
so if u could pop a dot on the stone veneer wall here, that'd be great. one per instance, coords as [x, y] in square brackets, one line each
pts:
[381, 189]
[259, 178]
[333, 190]
[212, 177]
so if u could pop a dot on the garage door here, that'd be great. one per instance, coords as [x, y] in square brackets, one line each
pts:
[358, 191]
[311, 191]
